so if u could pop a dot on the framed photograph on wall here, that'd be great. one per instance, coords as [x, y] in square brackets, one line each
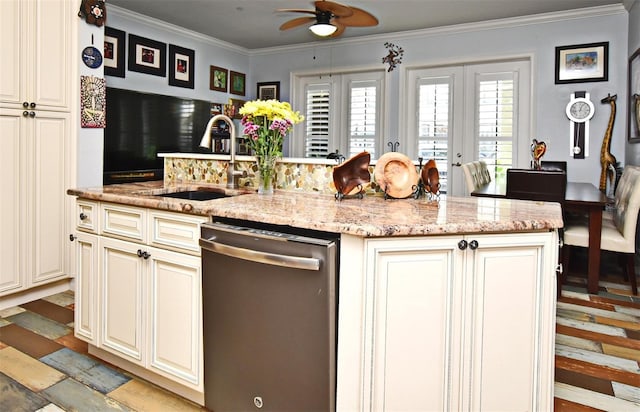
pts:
[582, 63]
[147, 56]
[237, 83]
[633, 117]
[218, 79]
[113, 53]
[181, 62]
[268, 90]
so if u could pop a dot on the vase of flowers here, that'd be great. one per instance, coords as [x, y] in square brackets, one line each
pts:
[266, 123]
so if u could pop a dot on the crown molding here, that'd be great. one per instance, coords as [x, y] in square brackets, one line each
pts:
[144, 20]
[583, 13]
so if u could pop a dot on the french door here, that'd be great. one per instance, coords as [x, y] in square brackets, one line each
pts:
[461, 113]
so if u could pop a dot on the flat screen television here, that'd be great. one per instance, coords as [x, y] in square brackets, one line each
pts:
[141, 125]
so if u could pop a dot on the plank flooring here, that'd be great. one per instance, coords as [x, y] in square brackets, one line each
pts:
[597, 352]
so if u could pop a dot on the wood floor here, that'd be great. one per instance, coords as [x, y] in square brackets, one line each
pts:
[597, 345]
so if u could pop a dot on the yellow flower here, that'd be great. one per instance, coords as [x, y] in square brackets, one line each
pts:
[272, 110]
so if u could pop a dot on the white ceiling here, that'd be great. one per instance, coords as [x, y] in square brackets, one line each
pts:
[254, 24]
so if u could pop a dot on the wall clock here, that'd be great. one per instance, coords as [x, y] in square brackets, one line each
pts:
[580, 110]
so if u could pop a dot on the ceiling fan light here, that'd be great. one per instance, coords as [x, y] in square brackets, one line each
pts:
[323, 29]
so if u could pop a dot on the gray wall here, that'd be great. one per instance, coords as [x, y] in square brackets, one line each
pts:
[633, 150]
[536, 38]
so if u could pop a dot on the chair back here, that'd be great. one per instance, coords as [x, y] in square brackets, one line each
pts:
[554, 165]
[529, 184]
[476, 174]
[627, 202]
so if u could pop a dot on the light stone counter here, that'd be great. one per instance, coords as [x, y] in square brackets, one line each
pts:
[372, 216]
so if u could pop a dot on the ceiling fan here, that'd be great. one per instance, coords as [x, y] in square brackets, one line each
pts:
[330, 18]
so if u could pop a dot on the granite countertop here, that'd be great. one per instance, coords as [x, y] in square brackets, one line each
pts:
[370, 216]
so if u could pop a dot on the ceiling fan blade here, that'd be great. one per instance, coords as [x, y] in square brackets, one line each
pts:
[295, 11]
[359, 18]
[297, 22]
[340, 28]
[334, 8]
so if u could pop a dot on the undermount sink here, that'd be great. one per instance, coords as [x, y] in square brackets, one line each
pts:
[195, 195]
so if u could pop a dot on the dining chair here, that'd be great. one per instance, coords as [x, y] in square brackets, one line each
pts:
[553, 165]
[529, 184]
[618, 234]
[476, 174]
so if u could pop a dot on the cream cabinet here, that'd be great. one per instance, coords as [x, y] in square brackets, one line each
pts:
[33, 222]
[36, 44]
[139, 288]
[451, 323]
[37, 54]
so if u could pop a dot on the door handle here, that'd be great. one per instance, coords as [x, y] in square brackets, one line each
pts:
[295, 262]
[457, 164]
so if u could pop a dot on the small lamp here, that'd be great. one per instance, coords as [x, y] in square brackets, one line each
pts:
[323, 26]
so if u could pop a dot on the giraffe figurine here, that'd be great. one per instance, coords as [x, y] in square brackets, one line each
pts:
[607, 160]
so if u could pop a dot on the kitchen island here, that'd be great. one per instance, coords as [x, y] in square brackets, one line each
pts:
[446, 305]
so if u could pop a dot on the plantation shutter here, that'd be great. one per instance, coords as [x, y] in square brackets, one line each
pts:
[363, 122]
[318, 100]
[495, 124]
[434, 123]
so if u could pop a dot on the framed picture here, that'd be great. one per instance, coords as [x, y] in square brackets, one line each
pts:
[218, 79]
[268, 90]
[236, 84]
[182, 62]
[233, 108]
[633, 117]
[113, 52]
[582, 63]
[216, 108]
[147, 56]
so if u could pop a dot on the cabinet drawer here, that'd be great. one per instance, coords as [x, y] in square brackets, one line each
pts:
[87, 216]
[122, 221]
[175, 230]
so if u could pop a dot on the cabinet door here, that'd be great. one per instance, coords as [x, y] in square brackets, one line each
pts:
[12, 50]
[12, 170]
[36, 53]
[87, 292]
[123, 305]
[48, 218]
[512, 291]
[414, 286]
[175, 316]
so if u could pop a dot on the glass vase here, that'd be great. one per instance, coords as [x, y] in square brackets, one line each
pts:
[266, 174]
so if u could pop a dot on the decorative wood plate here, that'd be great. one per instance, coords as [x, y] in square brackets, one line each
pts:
[396, 175]
[351, 176]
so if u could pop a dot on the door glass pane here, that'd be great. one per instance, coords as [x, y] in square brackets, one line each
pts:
[317, 121]
[362, 119]
[496, 123]
[433, 124]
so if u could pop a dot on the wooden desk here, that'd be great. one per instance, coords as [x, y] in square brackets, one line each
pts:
[581, 197]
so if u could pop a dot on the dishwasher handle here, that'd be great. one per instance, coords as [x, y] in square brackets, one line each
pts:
[295, 262]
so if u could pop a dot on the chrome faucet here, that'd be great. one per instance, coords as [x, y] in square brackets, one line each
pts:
[206, 143]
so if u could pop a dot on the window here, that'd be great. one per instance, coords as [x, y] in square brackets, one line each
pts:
[342, 112]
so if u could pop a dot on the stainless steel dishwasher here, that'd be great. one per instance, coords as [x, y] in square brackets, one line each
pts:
[269, 317]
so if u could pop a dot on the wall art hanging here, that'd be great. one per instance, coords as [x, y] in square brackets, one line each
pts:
[93, 11]
[92, 102]
[582, 63]
[237, 83]
[218, 79]
[114, 45]
[147, 56]
[182, 62]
